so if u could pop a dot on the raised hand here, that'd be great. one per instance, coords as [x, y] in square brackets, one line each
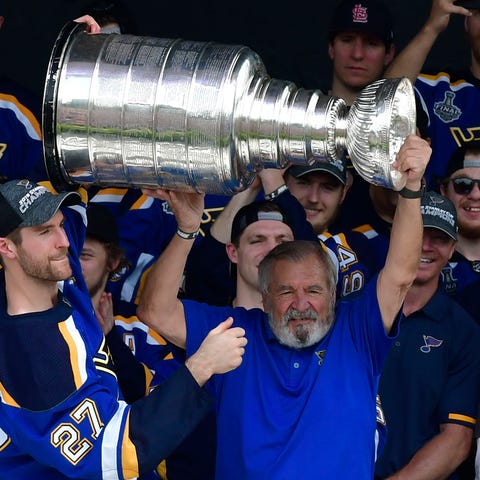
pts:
[92, 25]
[440, 14]
[186, 206]
[104, 312]
[412, 160]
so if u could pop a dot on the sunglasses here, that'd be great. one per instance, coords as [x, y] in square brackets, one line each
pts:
[464, 185]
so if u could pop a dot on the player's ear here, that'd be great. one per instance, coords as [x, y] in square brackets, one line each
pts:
[231, 252]
[7, 248]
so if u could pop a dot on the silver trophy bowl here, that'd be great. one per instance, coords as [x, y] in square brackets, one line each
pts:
[131, 111]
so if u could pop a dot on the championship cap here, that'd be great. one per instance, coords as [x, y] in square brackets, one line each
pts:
[369, 16]
[253, 212]
[26, 204]
[457, 161]
[439, 212]
[101, 224]
[338, 169]
[470, 4]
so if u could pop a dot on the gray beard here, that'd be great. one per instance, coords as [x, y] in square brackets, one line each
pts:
[304, 335]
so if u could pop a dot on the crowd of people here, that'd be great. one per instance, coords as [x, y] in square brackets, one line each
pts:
[313, 325]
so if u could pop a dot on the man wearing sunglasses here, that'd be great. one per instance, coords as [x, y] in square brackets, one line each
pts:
[462, 186]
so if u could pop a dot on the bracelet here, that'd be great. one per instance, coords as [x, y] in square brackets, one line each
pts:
[187, 236]
[407, 193]
[276, 192]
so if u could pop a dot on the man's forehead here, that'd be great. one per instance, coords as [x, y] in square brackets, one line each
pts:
[356, 33]
[473, 158]
[57, 219]
[266, 228]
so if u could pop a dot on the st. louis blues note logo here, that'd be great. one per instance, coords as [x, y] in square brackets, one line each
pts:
[320, 355]
[430, 342]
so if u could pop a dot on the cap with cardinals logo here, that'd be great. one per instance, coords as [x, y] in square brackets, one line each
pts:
[368, 16]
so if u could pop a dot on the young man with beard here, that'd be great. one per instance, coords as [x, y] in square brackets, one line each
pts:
[430, 383]
[61, 413]
[286, 410]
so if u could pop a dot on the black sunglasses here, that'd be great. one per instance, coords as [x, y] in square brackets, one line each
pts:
[464, 185]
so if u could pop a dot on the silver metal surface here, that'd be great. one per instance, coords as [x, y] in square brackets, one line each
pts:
[378, 123]
[122, 110]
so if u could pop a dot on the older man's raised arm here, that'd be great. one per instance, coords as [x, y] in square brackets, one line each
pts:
[406, 235]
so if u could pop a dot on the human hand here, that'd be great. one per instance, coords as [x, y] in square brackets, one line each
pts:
[440, 14]
[221, 351]
[272, 179]
[92, 25]
[186, 206]
[412, 160]
[104, 313]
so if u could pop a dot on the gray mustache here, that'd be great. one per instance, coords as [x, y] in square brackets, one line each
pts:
[294, 314]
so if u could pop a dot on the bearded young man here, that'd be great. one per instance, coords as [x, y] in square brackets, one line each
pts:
[62, 415]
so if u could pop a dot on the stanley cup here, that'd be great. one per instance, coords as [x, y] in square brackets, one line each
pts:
[124, 110]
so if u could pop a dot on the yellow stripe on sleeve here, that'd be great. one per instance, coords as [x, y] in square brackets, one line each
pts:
[462, 418]
[78, 378]
[129, 454]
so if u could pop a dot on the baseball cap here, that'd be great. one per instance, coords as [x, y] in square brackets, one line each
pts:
[253, 212]
[101, 224]
[337, 168]
[26, 204]
[369, 16]
[471, 4]
[457, 161]
[439, 212]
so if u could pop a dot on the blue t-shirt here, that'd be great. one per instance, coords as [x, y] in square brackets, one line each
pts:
[300, 414]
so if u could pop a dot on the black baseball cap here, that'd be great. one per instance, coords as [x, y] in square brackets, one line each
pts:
[439, 212]
[368, 16]
[27, 204]
[338, 169]
[102, 224]
[253, 212]
[457, 160]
